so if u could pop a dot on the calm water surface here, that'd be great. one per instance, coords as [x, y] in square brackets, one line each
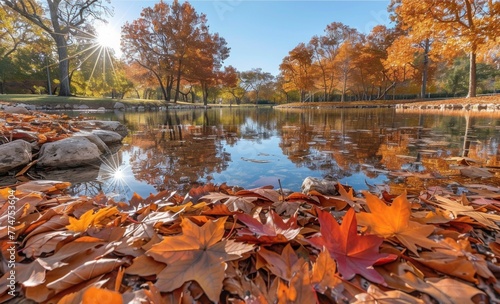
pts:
[253, 147]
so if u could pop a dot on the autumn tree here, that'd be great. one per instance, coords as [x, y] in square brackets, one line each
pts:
[466, 24]
[173, 42]
[60, 20]
[231, 83]
[297, 69]
[255, 80]
[206, 65]
[369, 78]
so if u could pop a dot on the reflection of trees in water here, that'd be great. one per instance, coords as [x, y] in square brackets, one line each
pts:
[165, 156]
[336, 143]
[189, 144]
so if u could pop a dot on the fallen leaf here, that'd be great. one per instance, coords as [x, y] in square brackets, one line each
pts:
[90, 218]
[274, 226]
[198, 254]
[95, 295]
[324, 272]
[284, 265]
[354, 254]
[394, 221]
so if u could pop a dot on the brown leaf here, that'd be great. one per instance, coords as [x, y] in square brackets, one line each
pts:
[87, 271]
[198, 254]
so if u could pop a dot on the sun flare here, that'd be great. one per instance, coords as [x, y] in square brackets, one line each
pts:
[107, 36]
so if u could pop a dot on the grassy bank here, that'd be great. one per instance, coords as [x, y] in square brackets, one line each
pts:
[92, 102]
[40, 100]
[495, 99]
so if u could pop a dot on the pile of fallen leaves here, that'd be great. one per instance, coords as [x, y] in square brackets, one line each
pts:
[216, 244]
[37, 127]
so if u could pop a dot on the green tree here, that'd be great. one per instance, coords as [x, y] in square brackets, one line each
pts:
[60, 20]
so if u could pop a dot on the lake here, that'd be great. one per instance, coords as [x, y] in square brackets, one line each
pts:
[254, 147]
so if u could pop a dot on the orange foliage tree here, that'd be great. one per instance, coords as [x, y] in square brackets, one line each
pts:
[465, 24]
[173, 43]
[297, 69]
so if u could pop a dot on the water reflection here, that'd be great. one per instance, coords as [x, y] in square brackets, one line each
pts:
[253, 147]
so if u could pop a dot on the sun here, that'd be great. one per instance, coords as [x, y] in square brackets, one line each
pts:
[107, 36]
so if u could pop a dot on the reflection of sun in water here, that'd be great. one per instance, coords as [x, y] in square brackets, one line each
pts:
[113, 175]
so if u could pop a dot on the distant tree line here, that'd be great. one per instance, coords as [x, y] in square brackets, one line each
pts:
[436, 48]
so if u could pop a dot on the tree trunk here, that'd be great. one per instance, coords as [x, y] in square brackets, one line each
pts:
[425, 68]
[178, 80]
[472, 75]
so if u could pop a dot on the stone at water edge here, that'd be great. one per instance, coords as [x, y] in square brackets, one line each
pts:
[115, 126]
[94, 138]
[119, 106]
[14, 154]
[108, 137]
[69, 152]
[16, 110]
[323, 186]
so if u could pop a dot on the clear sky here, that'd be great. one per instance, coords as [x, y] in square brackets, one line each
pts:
[261, 33]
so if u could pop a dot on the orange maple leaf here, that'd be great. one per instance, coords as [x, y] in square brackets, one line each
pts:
[394, 221]
[90, 218]
[354, 254]
[198, 255]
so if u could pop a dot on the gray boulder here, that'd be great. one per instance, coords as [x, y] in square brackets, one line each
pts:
[109, 137]
[119, 106]
[14, 154]
[115, 126]
[94, 138]
[323, 186]
[16, 110]
[68, 153]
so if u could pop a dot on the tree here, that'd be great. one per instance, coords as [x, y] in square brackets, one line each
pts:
[60, 20]
[205, 65]
[256, 80]
[172, 42]
[14, 32]
[465, 24]
[296, 69]
[231, 83]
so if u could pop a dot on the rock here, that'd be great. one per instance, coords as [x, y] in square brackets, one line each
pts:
[115, 126]
[84, 107]
[108, 137]
[68, 153]
[184, 179]
[141, 108]
[119, 106]
[101, 109]
[326, 187]
[27, 106]
[16, 110]
[94, 138]
[14, 154]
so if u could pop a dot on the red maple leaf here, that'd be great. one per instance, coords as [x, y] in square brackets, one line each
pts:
[354, 254]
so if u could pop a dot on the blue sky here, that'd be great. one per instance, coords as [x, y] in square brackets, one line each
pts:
[261, 33]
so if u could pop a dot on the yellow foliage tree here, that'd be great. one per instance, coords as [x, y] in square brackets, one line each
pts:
[464, 24]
